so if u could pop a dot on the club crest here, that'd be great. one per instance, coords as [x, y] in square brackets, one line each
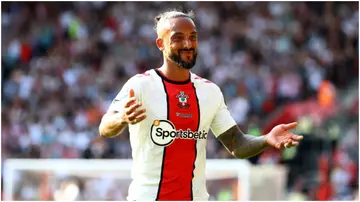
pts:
[183, 98]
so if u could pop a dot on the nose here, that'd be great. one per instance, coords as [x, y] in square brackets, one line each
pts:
[187, 43]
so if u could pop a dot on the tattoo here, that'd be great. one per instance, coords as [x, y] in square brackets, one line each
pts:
[242, 145]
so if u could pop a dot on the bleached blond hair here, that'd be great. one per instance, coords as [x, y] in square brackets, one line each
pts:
[174, 13]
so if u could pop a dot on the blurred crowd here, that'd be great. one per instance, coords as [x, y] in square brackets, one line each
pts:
[63, 63]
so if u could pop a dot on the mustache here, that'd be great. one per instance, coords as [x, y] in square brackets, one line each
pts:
[186, 49]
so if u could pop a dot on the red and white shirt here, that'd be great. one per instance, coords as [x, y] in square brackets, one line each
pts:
[169, 146]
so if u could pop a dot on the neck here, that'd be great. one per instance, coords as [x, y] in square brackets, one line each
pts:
[173, 71]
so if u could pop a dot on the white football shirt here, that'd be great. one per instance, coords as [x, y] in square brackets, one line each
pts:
[169, 146]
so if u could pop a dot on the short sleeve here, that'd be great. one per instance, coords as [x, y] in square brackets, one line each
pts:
[118, 102]
[223, 120]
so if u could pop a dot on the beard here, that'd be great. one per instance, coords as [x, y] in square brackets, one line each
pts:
[177, 58]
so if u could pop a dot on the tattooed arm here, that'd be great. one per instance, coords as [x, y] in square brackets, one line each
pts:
[242, 145]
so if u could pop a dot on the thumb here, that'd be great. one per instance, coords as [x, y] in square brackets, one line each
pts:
[131, 93]
[290, 126]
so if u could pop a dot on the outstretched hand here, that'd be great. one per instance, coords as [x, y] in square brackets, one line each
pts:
[280, 136]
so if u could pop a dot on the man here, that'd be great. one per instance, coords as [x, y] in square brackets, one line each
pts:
[169, 112]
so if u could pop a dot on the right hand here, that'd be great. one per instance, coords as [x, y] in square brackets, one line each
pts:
[132, 115]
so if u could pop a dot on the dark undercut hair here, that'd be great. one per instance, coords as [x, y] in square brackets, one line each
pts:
[174, 13]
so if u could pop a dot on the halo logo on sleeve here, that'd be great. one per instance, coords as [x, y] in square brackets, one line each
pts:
[163, 133]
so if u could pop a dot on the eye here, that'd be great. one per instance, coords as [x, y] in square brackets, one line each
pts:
[193, 37]
[177, 37]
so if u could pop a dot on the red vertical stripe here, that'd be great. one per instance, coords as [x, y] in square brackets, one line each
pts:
[179, 157]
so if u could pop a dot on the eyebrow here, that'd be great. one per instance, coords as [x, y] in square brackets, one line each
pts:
[180, 33]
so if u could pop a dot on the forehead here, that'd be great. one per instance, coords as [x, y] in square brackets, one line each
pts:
[181, 24]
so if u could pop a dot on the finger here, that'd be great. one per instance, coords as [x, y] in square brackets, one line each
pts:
[135, 114]
[132, 108]
[287, 143]
[131, 93]
[289, 126]
[139, 119]
[279, 145]
[130, 102]
[283, 143]
[292, 144]
[297, 137]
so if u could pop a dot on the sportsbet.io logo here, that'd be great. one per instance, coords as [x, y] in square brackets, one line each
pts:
[163, 133]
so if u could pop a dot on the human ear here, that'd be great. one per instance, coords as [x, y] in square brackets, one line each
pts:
[160, 44]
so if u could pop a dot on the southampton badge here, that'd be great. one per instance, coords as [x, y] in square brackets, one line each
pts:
[183, 98]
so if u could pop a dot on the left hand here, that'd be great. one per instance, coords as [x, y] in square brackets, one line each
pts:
[279, 137]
